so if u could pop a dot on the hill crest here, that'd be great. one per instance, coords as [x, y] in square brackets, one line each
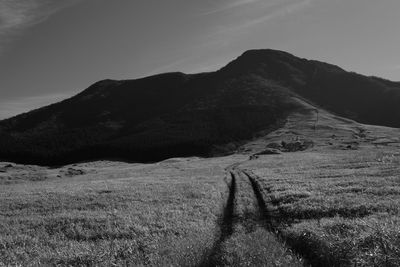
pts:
[206, 114]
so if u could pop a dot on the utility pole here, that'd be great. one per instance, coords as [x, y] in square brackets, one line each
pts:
[316, 121]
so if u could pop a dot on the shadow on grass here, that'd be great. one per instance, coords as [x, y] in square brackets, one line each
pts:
[226, 227]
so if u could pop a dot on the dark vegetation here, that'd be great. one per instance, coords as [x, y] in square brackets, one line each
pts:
[205, 114]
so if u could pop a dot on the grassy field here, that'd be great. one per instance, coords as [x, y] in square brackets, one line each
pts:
[113, 214]
[337, 203]
[335, 209]
[333, 200]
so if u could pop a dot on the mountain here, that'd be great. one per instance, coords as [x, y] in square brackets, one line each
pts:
[205, 114]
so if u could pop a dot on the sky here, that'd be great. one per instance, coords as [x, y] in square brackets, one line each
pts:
[53, 49]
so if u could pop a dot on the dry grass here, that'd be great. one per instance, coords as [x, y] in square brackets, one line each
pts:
[258, 247]
[122, 214]
[251, 243]
[165, 214]
[336, 208]
[368, 241]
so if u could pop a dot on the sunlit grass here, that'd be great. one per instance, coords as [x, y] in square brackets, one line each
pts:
[132, 215]
[336, 208]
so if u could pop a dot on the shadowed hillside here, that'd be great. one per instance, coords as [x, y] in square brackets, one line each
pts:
[368, 100]
[205, 114]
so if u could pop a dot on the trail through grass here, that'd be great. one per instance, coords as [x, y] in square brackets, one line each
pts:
[117, 214]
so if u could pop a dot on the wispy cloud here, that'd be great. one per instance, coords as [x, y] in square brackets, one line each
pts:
[286, 9]
[256, 16]
[18, 15]
[12, 107]
[228, 5]
[222, 36]
[269, 11]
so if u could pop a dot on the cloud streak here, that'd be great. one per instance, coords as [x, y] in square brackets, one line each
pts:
[279, 10]
[258, 12]
[18, 15]
[230, 5]
[285, 10]
[263, 12]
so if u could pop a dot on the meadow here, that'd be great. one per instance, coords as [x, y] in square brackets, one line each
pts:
[120, 214]
[335, 209]
[114, 214]
[336, 203]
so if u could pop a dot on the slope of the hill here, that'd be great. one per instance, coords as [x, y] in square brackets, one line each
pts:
[368, 100]
[176, 114]
[146, 120]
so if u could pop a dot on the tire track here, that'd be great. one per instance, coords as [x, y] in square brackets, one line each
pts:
[265, 214]
[247, 212]
[226, 225]
[246, 209]
[272, 220]
[228, 215]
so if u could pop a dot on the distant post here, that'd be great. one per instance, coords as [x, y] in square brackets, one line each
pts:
[316, 121]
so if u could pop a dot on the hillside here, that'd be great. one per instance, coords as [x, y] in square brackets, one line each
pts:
[206, 114]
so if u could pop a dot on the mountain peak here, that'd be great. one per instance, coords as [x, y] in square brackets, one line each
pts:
[176, 114]
[268, 59]
[265, 52]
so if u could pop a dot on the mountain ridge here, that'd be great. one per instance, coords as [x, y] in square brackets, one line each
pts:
[206, 114]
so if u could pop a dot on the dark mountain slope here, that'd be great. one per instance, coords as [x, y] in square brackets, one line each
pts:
[147, 119]
[368, 100]
[182, 115]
